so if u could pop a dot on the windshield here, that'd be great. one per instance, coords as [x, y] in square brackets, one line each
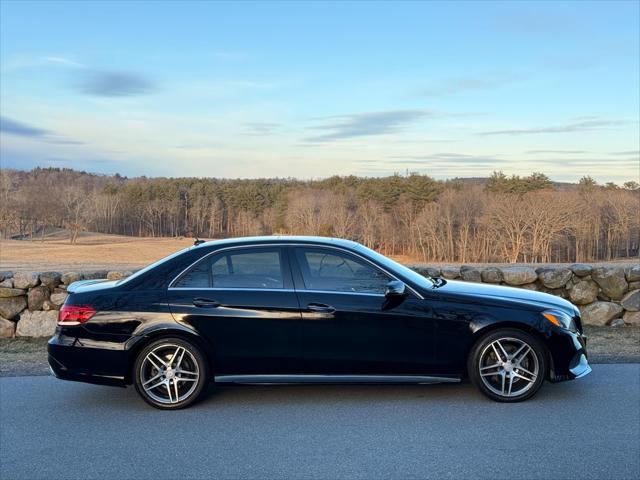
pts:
[153, 265]
[394, 266]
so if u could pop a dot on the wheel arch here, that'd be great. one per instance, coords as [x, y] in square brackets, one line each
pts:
[508, 324]
[167, 332]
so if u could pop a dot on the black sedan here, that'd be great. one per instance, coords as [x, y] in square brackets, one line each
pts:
[308, 309]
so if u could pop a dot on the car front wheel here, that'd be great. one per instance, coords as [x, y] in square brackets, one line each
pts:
[508, 365]
[170, 373]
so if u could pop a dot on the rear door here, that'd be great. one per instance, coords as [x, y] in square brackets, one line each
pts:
[242, 301]
[350, 327]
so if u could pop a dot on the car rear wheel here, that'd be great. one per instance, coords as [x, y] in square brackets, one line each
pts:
[170, 373]
[508, 365]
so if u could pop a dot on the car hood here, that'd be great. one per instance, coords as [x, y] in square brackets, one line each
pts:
[497, 294]
[82, 286]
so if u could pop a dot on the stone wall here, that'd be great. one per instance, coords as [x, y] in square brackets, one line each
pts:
[606, 295]
[29, 301]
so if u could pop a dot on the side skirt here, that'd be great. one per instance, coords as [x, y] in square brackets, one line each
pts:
[329, 379]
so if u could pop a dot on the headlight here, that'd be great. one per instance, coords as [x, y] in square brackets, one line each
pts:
[560, 319]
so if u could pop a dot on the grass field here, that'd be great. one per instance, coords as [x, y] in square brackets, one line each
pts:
[98, 251]
[93, 251]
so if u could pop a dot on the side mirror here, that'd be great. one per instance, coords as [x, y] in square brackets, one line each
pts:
[395, 288]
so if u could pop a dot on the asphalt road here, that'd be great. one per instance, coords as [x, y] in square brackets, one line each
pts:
[588, 428]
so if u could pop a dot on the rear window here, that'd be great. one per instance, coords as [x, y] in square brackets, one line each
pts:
[196, 277]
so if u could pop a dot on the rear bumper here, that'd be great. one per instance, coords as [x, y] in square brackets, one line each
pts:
[97, 364]
[63, 373]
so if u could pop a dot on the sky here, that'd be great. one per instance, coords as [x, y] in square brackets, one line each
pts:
[311, 90]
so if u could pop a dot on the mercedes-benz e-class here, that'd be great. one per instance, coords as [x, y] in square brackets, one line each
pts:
[308, 309]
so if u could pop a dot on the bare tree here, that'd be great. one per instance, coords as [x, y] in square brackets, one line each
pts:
[501, 219]
[74, 202]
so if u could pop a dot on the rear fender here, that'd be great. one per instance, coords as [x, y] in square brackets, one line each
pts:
[137, 343]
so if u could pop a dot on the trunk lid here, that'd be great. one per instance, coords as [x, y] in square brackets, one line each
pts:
[82, 286]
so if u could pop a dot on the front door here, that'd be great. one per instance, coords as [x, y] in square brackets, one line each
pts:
[242, 301]
[349, 326]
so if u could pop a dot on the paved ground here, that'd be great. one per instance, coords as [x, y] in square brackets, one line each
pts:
[589, 428]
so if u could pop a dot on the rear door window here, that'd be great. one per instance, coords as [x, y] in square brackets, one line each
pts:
[248, 269]
[243, 268]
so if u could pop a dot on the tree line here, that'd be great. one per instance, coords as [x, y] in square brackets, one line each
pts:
[498, 219]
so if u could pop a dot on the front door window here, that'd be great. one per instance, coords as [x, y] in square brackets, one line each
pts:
[334, 271]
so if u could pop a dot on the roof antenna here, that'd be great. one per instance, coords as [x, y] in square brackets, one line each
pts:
[197, 242]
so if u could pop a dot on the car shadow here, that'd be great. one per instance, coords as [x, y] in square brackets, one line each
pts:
[323, 394]
[246, 395]
[326, 393]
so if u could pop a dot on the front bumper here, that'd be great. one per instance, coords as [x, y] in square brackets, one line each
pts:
[582, 367]
[569, 358]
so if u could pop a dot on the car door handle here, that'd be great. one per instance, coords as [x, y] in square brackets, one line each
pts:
[205, 303]
[320, 307]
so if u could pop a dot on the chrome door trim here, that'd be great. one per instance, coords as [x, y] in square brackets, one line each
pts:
[338, 292]
[312, 245]
[328, 379]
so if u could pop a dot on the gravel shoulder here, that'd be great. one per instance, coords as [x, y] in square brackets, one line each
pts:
[23, 356]
[28, 356]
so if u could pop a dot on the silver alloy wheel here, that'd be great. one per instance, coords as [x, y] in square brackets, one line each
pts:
[169, 373]
[509, 367]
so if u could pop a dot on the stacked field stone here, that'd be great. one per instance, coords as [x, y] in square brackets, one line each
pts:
[29, 301]
[605, 295]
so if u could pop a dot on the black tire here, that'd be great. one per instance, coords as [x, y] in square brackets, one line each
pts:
[177, 387]
[488, 354]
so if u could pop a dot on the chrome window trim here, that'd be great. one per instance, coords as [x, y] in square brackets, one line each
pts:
[215, 252]
[236, 289]
[286, 290]
[312, 245]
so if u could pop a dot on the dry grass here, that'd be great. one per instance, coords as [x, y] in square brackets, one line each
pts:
[98, 251]
[92, 252]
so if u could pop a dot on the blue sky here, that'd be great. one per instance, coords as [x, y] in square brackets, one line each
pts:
[309, 90]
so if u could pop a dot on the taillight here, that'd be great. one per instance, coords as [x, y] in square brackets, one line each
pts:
[75, 314]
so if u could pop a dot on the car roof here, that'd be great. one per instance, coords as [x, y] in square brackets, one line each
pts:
[281, 239]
